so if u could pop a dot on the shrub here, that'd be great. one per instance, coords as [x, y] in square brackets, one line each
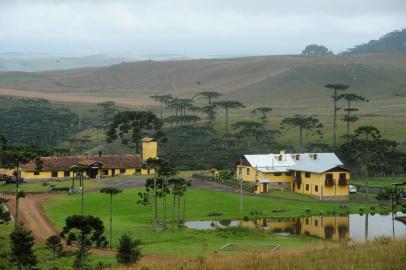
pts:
[308, 211]
[246, 218]
[129, 251]
[225, 175]
[383, 196]
[372, 208]
[215, 214]
[361, 210]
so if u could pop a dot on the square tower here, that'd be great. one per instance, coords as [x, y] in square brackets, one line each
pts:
[149, 148]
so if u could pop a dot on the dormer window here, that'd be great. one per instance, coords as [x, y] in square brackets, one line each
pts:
[280, 157]
[297, 157]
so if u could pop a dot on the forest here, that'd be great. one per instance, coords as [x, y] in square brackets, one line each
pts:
[197, 133]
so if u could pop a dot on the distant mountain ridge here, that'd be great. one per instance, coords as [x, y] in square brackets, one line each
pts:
[393, 42]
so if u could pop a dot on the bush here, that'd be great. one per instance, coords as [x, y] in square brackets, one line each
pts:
[383, 196]
[225, 175]
[361, 210]
[129, 251]
[308, 211]
[215, 214]
[372, 208]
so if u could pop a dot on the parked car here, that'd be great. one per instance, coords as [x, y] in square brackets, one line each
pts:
[352, 189]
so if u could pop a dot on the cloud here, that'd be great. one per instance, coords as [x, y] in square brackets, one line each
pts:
[195, 28]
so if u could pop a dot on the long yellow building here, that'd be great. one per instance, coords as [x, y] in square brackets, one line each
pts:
[97, 165]
[321, 175]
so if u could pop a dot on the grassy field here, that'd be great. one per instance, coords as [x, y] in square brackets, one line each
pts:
[130, 216]
[38, 186]
[381, 254]
[379, 182]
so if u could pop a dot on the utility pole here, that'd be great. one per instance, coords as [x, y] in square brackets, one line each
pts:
[241, 202]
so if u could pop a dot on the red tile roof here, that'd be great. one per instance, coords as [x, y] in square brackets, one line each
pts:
[64, 163]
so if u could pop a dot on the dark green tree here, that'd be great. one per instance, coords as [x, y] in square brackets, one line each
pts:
[12, 158]
[3, 142]
[111, 191]
[163, 100]
[314, 49]
[4, 214]
[263, 111]
[129, 251]
[348, 118]
[336, 88]
[84, 231]
[210, 111]
[227, 105]
[178, 191]
[21, 248]
[209, 95]
[131, 126]
[107, 111]
[308, 123]
[55, 245]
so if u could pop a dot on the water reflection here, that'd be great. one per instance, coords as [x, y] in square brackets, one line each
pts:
[350, 227]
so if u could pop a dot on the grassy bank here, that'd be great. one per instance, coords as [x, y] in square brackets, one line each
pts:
[379, 254]
[133, 217]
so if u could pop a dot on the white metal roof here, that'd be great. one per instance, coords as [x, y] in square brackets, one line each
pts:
[285, 162]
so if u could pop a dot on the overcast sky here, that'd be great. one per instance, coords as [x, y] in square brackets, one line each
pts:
[193, 27]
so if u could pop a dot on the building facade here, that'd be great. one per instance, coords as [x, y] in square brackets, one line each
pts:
[96, 165]
[321, 175]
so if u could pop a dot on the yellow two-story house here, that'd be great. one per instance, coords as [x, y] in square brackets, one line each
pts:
[321, 175]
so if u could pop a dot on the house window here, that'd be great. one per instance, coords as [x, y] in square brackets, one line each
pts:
[277, 174]
[66, 173]
[36, 173]
[239, 170]
[248, 171]
[316, 222]
[307, 221]
[105, 172]
[316, 188]
[343, 176]
[329, 176]
[122, 171]
[137, 170]
[307, 186]
[307, 174]
[289, 173]
[54, 174]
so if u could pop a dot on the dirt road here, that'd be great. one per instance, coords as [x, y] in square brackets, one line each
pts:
[32, 215]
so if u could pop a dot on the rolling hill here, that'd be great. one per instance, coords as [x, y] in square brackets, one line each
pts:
[292, 83]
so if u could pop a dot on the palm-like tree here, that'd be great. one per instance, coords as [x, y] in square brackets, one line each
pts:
[263, 111]
[111, 191]
[3, 142]
[335, 88]
[227, 105]
[163, 100]
[350, 97]
[303, 123]
[209, 95]
[13, 158]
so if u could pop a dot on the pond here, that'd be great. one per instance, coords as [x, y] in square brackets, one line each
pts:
[357, 227]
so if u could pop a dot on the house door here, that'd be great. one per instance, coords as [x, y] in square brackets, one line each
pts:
[264, 187]
[113, 172]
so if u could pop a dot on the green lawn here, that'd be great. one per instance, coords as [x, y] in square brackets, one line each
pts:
[379, 182]
[130, 216]
[38, 186]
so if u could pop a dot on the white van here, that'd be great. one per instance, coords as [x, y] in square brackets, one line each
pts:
[352, 189]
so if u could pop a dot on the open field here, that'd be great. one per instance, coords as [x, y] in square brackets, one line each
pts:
[130, 216]
[296, 82]
[379, 182]
[379, 254]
